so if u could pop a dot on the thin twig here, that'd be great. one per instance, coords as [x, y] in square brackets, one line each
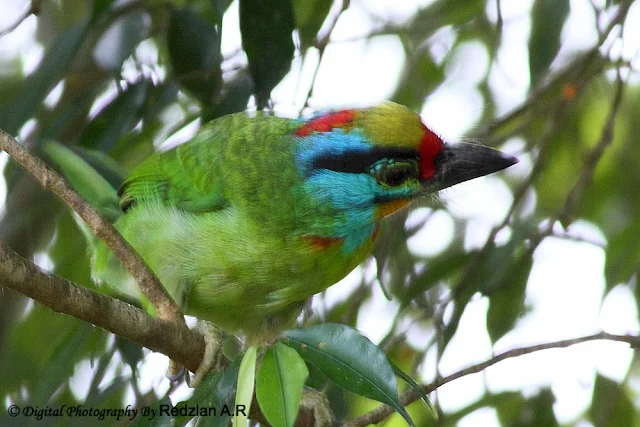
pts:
[149, 284]
[98, 375]
[499, 19]
[411, 396]
[321, 44]
[578, 239]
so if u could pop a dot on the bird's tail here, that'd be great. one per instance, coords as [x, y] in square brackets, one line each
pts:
[95, 176]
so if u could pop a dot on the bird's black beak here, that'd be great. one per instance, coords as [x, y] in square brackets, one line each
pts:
[464, 161]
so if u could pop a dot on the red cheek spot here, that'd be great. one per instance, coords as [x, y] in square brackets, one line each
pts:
[430, 147]
[326, 123]
[319, 242]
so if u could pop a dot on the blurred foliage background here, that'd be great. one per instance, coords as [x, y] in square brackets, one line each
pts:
[115, 79]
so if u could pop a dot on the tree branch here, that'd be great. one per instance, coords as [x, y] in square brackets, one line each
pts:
[383, 411]
[149, 284]
[63, 296]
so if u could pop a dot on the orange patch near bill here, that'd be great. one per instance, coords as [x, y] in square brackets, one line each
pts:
[390, 207]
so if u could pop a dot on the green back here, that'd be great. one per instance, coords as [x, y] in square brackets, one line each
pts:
[192, 176]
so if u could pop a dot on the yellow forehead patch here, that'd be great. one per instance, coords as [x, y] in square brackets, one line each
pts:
[391, 124]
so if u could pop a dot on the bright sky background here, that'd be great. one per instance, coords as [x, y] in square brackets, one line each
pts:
[567, 282]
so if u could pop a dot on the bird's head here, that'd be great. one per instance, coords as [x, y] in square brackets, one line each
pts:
[377, 160]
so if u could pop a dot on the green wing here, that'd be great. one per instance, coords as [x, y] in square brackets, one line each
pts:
[186, 177]
[233, 150]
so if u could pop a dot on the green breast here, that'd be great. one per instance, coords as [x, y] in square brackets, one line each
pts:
[257, 281]
[223, 267]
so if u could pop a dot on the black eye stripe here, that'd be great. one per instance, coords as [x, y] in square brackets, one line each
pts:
[361, 161]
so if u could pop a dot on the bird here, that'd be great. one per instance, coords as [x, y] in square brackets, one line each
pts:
[255, 214]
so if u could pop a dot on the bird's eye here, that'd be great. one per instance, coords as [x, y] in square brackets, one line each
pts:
[393, 173]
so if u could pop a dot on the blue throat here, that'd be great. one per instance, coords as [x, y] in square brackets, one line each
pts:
[351, 196]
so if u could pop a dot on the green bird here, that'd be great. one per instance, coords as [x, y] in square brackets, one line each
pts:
[255, 214]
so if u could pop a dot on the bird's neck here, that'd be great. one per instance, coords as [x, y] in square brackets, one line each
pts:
[349, 240]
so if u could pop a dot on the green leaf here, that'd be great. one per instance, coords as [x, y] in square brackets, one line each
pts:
[58, 368]
[460, 301]
[422, 75]
[121, 39]
[417, 387]
[233, 99]
[437, 269]
[611, 405]
[215, 391]
[455, 12]
[159, 420]
[317, 380]
[160, 96]
[309, 16]
[267, 26]
[105, 165]
[623, 254]
[194, 49]
[246, 384]
[84, 179]
[70, 117]
[131, 352]
[507, 303]
[509, 406]
[349, 360]
[37, 86]
[69, 251]
[117, 118]
[110, 396]
[547, 20]
[279, 384]
[514, 410]
[442, 13]
[101, 7]
[220, 7]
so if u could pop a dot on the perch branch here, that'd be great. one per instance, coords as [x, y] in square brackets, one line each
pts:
[63, 296]
[149, 284]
